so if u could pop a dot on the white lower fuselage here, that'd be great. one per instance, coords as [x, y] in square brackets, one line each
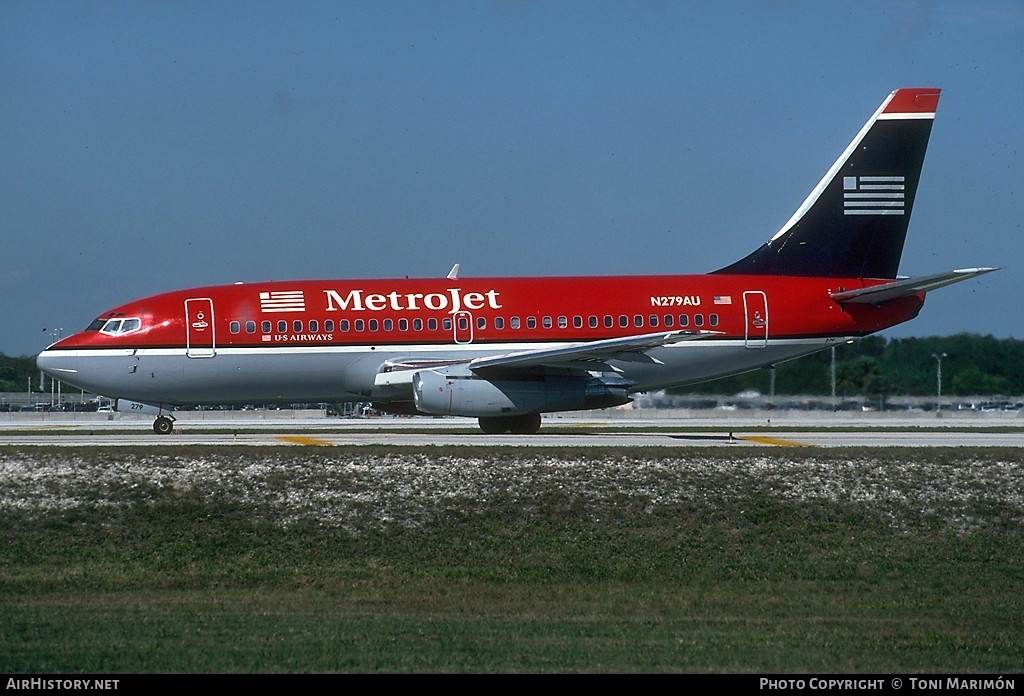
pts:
[347, 373]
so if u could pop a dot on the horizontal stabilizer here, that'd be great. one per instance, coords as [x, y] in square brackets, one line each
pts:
[910, 286]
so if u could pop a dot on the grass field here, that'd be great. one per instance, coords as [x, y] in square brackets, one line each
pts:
[373, 559]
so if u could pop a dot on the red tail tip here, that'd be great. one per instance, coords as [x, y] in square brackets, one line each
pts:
[913, 100]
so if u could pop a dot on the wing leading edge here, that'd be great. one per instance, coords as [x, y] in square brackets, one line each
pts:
[590, 355]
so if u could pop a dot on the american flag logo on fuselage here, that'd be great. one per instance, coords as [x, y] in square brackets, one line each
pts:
[282, 301]
[873, 195]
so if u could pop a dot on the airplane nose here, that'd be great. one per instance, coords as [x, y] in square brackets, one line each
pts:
[57, 363]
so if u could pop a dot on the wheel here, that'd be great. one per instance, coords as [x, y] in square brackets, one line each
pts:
[494, 425]
[527, 424]
[163, 425]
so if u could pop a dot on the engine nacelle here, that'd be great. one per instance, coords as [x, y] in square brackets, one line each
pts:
[465, 394]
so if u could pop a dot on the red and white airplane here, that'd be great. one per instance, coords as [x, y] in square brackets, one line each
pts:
[505, 350]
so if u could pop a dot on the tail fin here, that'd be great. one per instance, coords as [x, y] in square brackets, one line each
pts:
[853, 223]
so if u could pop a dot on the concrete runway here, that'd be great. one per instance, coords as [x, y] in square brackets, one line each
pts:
[597, 430]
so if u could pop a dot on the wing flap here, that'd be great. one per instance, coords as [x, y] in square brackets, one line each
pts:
[905, 288]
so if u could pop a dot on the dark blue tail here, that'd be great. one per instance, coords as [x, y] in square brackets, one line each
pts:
[854, 222]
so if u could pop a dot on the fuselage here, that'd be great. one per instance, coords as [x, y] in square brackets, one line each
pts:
[327, 340]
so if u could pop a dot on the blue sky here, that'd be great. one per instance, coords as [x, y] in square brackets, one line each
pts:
[149, 146]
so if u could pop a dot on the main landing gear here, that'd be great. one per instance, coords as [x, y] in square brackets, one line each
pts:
[526, 424]
[163, 425]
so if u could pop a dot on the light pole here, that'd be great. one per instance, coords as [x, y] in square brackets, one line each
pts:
[938, 381]
[832, 377]
[55, 336]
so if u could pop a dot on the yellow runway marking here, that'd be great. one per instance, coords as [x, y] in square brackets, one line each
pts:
[302, 440]
[774, 441]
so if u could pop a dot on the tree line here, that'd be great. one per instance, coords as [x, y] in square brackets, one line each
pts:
[871, 367]
[972, 365]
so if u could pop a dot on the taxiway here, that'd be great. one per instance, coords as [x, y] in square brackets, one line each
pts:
[313, 429]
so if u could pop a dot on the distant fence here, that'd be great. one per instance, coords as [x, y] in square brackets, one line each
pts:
[760, 402]
[78, 401]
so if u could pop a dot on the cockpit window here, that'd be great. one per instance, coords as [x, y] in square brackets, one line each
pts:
[119, 327]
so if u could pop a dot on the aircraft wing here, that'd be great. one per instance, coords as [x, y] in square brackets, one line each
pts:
[910, 286]
[589, 355]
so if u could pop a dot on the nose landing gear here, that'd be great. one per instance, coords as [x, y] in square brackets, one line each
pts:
[163, 425]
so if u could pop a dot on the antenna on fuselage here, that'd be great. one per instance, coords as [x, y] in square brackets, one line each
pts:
[454, 273]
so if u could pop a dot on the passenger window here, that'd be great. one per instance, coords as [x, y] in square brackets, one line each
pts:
[481, 322]
[592, 321]
[652, 320]
[531, 322]
[563, 322]
[417, 324]
[373, 324]
[638, 320]
[577, 322]
[713, 320]
[608, 321]
[684, 320]
[314, 326]
[250, 327]
[515, 322]
[668, 320]
[343, 325]
[328, 325]
[234, 327]
[282, 326]
[432, 324]
[499, 323]
[297, 326]
[266, 327]
[359, 325]
[547, 322]
[698, 320]
[403, 324]
[623, 320]
[446, 323]
[389, 325]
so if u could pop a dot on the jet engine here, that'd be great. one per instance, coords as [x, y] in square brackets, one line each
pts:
[464, 393]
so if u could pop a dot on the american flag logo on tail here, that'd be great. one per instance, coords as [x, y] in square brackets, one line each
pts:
[282, 301]
[873, 195]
